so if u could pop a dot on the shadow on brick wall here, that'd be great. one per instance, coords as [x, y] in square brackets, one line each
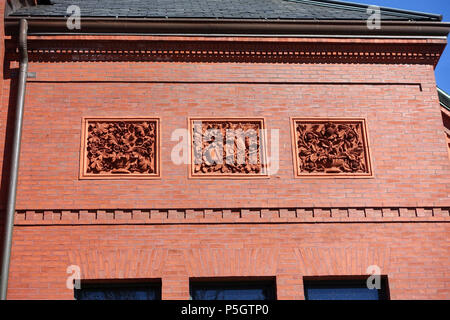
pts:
[7, 151]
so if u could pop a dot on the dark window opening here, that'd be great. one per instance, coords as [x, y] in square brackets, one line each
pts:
[344, 289]
[119, 291]
[233, 290]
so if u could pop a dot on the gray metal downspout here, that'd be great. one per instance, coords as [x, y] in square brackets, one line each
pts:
[15, 153]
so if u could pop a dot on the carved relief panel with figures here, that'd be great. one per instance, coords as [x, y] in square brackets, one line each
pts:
[227, 147]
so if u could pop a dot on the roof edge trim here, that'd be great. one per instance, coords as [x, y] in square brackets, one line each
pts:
[45, 25]
[444, 98]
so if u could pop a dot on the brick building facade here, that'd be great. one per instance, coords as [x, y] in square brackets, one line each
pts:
[142, 216]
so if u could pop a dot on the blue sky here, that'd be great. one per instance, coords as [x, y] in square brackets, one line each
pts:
[430, 6]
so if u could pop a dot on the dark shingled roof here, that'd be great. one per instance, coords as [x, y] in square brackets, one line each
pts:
[221, 9]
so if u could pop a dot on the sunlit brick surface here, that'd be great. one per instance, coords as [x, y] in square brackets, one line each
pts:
[177, 227]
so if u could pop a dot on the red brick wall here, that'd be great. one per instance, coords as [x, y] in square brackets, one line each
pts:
[410, 160]
[409, 156]
[413, 255]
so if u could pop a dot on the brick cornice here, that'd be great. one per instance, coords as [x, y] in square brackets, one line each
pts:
[233, 50]
[232, 216]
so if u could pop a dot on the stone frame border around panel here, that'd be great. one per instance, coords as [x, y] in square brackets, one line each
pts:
[263, 154]
[83, 149]
[365, 140]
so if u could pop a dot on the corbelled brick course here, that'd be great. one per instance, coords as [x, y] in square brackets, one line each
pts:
[217, 216]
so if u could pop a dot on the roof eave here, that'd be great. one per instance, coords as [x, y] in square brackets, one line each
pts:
[97, 25]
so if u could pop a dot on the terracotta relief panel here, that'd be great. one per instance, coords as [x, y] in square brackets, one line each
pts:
[120, 148]
[331, 147]
[227, 147]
